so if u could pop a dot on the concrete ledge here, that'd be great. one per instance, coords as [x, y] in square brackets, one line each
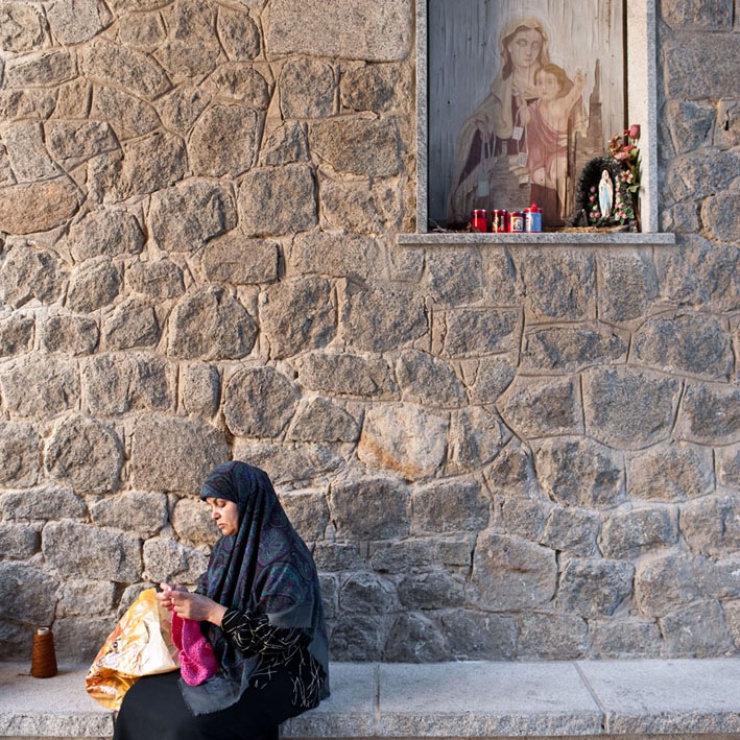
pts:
[680, 699]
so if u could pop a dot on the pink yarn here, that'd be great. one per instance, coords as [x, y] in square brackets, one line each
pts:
[197, 659]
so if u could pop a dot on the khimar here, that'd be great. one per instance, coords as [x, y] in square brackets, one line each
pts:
[265, 568]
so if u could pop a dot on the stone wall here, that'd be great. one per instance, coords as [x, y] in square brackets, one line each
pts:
[505, 453]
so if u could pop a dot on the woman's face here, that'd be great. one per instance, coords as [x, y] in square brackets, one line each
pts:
[225, 514]
[524, 49]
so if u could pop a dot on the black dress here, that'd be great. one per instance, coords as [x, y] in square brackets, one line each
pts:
[285, 684]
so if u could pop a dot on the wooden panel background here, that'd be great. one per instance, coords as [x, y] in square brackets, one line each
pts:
[464, 61]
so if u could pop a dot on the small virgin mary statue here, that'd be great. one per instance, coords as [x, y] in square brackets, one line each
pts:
[606, 194]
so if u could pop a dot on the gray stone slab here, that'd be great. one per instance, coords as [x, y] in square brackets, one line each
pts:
[49, 707]
[485, 700]
[349, 712]
[664, 697]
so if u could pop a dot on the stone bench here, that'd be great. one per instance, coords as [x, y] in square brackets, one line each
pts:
[686, 699]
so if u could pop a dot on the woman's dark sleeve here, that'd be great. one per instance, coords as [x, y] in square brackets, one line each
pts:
[253, 634]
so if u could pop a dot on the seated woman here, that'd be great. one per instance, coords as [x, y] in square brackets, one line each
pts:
[260, 608]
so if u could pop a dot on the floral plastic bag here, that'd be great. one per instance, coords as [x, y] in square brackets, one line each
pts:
[140, 645]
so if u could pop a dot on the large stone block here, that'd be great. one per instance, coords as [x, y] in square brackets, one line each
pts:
[85, 454]
[510, 573]
[449, 505]
[623, 639]
[152, 163]
[477, 435]
[667, 582]
[670, 472]
[105, 233]
[720, 215]
[286, 144]
[167, 561]
[200, 388]
[161, 280]
[239, 34]
[492, 377]
[376, 87]
[629, 409]
[259, 402]
[181, 108]
[380, 319]
[553, 637]
[727, 129]
[685, 344]
[238, 260]
[358, 146]
[19, 455]
[697, 631]
[370, 508]
[368, 593]
[697, 175]
[22, 27]
[357, 637]
[73, 142]
[455, 277]
[524, 517]
[628, 534]
[429, 381]
[298, 315]
[560, 285]
[534, 408]
[25, 209]
[403, 556]
[407, 439]
[132, 324]
[128, 115]
[414, 638]
[437, 589]
[75, 21]
[308, 512]
[118, 66]
[114, 384]
[27, 103]
[18, 541]
[94, 284]
[192, 47]
[378, 32]
[144, 513]
[360, 206]
[579, 472]
[701, 273]
[40, 504]
[192, 522]
[86, 598]
[321, 420]
[82, 550]
[710, 415]
[54, 380]
[569, 350]
[278, 200]
[690, 123]
[307, 89]
[728, 466]
[571, 530]
[338, 255]
[211, 325]
[711, 525]
[292, 466]
[474, 636]
[225, 140]
[595, 588]
[474, 332]
[698, 15]
[16, 334]
[347, 374]
[161, 443]
[45, 69]
[695, 70]
[27, 153]
[27, 594]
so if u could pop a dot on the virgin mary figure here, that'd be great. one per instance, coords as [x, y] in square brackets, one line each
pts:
[496, 127]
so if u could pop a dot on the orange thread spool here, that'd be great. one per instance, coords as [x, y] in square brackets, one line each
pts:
[43, 659]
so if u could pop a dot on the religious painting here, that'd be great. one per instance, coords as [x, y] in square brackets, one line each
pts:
[522, 95]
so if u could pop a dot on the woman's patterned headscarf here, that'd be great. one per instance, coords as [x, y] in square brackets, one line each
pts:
[265, 568]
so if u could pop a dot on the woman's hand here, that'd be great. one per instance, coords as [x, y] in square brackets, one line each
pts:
[196, 606]
[165, 595]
